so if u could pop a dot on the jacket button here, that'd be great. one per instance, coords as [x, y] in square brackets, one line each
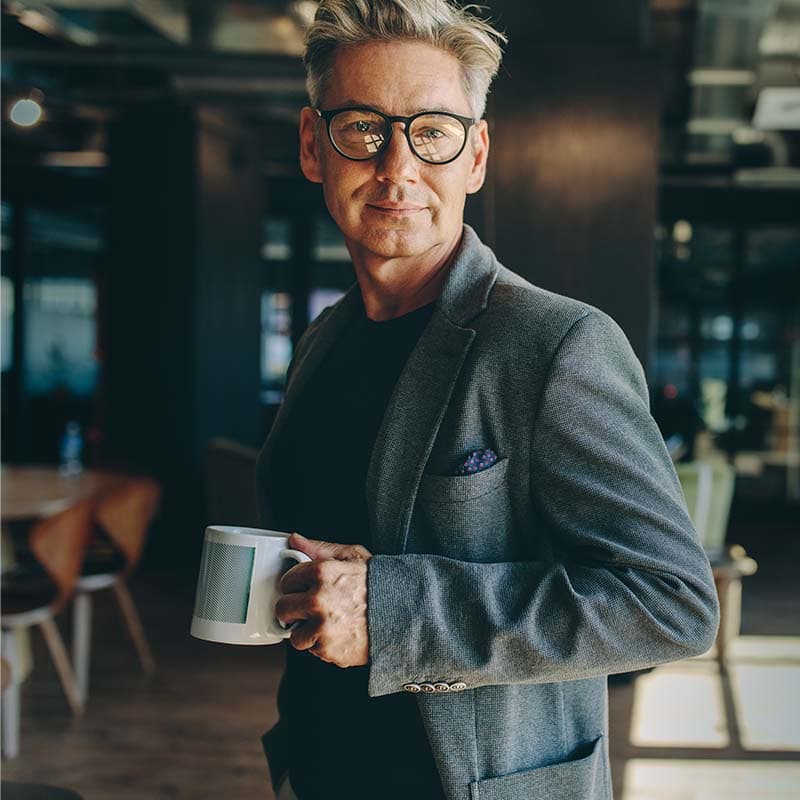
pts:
[411, 687]
[427, 687]
[458, 686]
[442, 687]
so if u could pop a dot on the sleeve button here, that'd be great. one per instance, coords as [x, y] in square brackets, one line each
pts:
[442, 687]
[411, 687]
[458, 686]
[427, 687]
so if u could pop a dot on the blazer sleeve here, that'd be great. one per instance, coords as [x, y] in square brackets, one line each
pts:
[629, 585]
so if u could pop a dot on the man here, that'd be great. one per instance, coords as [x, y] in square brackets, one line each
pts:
[493, 519]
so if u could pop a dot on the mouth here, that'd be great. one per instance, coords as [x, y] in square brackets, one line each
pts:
[396, 209]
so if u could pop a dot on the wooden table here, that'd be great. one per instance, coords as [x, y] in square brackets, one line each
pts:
[34, 492]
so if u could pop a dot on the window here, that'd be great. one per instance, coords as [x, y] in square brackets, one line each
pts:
[60, 335]
[276, 344]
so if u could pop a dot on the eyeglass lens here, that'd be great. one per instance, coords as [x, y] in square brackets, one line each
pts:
[360, 134]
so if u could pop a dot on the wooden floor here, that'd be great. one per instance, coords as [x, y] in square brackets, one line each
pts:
[192, 731]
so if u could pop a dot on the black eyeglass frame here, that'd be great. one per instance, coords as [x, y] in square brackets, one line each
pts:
[466, 122]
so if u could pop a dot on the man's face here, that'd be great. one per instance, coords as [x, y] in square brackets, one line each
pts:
[395, 205]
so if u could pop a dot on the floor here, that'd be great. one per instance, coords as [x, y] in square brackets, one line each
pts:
[679, 732]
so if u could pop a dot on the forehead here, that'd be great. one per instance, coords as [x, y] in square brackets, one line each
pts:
[397, 78]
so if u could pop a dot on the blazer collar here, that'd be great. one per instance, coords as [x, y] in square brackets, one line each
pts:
[469, 281]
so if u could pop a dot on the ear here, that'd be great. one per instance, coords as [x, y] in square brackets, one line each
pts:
[309, 145]
[480, 153]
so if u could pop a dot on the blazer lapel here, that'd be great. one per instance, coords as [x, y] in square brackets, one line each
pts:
[409, 428]
[421, 396]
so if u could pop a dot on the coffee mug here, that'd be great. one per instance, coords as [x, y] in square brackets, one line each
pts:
[238, 585]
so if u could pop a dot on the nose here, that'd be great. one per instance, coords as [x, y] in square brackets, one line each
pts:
[396, 162]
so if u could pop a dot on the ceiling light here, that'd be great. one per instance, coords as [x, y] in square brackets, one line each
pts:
[25, 113]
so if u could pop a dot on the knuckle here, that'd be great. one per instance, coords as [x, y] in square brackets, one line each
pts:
[326, 571]
[315, 604]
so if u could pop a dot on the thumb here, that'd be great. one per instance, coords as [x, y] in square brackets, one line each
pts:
[317, 549]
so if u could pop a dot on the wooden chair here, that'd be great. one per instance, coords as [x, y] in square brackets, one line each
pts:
[122, 520]
[33, 594]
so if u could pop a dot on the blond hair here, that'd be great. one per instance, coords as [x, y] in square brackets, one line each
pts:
[474, 42]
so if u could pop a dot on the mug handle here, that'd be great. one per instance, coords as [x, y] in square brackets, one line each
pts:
[295, 555]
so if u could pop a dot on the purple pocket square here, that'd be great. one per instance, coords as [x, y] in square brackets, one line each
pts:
[477, 461]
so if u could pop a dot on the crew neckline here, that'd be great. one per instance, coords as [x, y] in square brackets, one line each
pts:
[397, 320]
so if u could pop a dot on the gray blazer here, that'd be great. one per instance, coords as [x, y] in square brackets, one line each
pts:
[526, 584]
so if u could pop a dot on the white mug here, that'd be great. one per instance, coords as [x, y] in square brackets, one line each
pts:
[238, 585]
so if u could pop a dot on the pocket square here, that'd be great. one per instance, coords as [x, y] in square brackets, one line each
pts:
[477, 461]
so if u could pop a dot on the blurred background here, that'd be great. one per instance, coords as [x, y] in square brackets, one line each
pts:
[162, 254]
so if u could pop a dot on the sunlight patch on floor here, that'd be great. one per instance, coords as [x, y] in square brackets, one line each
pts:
[679, 705]
[767, 699]
[682, 704]
[765, 648]
[685, 779]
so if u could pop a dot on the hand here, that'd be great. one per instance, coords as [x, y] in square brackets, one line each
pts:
[330, 594]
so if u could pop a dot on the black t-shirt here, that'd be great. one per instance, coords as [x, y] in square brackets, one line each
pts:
[343, 743]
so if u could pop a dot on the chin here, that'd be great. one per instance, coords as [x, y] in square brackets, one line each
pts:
[395, 243]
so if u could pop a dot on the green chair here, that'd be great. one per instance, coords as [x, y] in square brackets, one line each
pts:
[708, 488]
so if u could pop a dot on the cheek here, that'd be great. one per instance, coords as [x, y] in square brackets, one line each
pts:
[344, 184]
[447, 195]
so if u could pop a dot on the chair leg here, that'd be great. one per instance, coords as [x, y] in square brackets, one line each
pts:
[134, 624]
[55, 644]
[10, 700]
[82, 641]
[730, 615]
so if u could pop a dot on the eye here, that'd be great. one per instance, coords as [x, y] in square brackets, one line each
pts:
[432, 133]
[362, 126]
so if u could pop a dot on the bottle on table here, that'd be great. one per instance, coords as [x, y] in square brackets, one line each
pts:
[71, 449]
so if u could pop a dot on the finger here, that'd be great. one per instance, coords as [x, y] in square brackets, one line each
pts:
[292, 607]
[321, 652]
[305, 636]
[318, 549]
[300, 578]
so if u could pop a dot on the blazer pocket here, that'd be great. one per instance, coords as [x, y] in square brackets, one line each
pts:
[579, 779]
[458, 488]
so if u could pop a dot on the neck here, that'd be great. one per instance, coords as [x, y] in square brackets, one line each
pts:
[395, 286]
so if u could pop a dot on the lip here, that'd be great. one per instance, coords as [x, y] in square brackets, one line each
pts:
[395, 209]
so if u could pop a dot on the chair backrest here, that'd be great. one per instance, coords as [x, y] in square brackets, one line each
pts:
[59, 544]
[231, 484]
[708, 489]
[124, 514]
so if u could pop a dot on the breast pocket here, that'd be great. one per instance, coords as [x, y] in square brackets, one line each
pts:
[467, 517]
[460, 488]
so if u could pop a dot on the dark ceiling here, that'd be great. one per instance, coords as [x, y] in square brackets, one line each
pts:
[91, 58]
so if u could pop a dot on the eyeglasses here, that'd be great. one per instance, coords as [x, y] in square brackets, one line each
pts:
[435, 137]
